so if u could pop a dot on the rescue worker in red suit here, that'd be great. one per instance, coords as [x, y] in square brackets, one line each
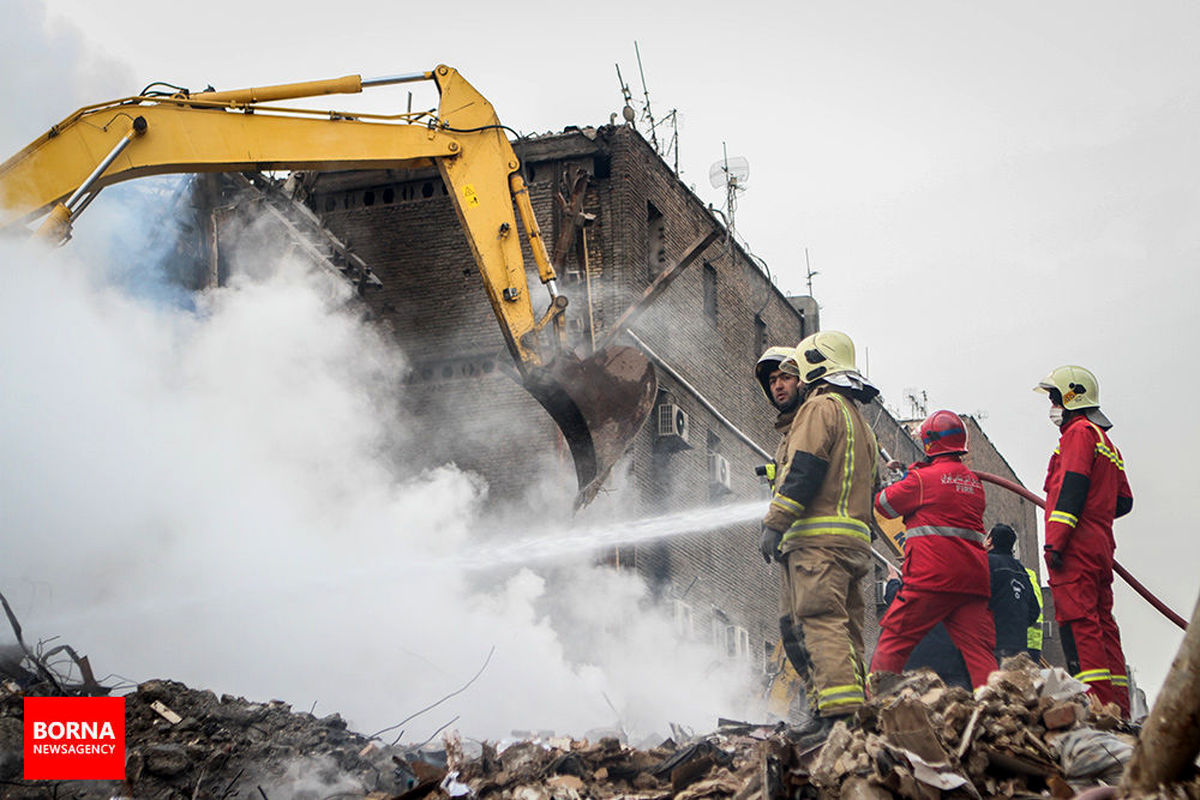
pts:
[1086, 489]
[945, 573]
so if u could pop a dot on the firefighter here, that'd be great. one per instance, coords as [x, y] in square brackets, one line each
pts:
[1086, 489]
[945, 573]
[817, 524]
[782, 390]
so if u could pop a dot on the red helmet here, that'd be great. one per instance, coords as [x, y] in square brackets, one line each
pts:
[943, 433]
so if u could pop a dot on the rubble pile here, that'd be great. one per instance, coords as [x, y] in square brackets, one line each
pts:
[185, 743]
[1030, 732]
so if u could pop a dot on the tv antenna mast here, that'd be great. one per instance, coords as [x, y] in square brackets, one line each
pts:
[646, 112]
[669, 148]
[732, 174]
[918, 401]
[809, 271]
[627, 113]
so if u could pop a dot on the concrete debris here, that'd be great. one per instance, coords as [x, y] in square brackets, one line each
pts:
[1020, 736]
[222, 747]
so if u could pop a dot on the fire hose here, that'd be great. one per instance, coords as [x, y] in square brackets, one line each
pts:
[1133, 582]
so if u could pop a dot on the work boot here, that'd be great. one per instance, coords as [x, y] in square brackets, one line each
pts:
[816, 730]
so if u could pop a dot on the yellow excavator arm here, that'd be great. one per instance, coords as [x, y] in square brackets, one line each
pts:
[599, 402]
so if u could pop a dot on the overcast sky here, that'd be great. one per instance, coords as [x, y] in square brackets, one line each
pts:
[988, 190]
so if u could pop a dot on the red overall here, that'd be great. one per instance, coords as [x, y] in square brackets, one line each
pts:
[945, 575]
[1085, 489]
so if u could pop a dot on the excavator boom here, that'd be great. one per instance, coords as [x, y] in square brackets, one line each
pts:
[599, 402]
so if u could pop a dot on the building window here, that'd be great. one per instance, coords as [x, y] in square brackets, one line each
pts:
[710, 291]
[684, 626]
[732, 640]
[656, 240]
[760, 335]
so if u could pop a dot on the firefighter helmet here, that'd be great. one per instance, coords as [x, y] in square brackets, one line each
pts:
[823, 354]
[771, 360]
[1078, 390]
[1078, 387]
[943, 433]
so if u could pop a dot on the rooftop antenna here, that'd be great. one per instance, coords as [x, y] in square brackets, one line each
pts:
[646, 93]
[673, 146]
[733, 174]
[918, 401]
[669, 149]
[627, 112]
[810, 272]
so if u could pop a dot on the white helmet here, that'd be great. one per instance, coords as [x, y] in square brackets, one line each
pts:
[1078, 390]
[829, 356]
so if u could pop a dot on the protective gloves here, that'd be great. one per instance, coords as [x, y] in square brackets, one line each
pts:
[1054, 559]
[768, 544]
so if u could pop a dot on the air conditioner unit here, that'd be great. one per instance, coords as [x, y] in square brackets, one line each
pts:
[673, 424]
[718, 472]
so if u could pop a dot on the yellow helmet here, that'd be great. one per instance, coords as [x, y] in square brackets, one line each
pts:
[772, 359]
[1078, 387]
[823, 354]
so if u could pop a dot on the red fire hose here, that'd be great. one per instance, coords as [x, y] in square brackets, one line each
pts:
[1133, 582]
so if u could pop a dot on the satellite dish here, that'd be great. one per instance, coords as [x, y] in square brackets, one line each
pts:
[730, 172]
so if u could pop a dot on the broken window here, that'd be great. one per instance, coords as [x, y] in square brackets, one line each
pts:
[733, 640]
[719, 624]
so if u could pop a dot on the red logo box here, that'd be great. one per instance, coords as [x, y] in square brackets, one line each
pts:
[75, 738]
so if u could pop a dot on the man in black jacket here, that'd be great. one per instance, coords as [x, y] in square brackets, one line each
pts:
[1014, 605]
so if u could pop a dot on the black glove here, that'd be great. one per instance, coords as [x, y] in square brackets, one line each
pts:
[1054, 560]
[768, 544]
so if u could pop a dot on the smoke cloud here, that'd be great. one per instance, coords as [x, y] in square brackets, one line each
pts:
[50, 70]
[212, 488]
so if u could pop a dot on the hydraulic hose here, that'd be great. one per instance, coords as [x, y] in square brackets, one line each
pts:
[1133, 582]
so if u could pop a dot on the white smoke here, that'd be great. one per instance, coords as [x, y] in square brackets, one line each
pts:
[212, 488]
[209, 494]
[49, 71]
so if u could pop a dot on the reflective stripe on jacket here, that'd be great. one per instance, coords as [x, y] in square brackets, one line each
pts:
[828, 430]
[783, 422]
[942, 504]
[1034, 637]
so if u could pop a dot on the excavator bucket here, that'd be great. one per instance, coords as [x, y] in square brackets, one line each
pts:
[599, 403]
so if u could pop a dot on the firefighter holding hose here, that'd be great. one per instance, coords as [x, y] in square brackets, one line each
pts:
[818, 523]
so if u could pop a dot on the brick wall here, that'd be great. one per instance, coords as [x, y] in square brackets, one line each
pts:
[704, 335]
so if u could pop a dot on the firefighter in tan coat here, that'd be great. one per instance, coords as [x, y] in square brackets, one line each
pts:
[818, 523]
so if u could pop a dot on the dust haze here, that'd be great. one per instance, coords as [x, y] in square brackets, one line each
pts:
[222, 488]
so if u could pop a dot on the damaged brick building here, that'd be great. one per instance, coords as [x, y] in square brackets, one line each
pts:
[616, 216]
